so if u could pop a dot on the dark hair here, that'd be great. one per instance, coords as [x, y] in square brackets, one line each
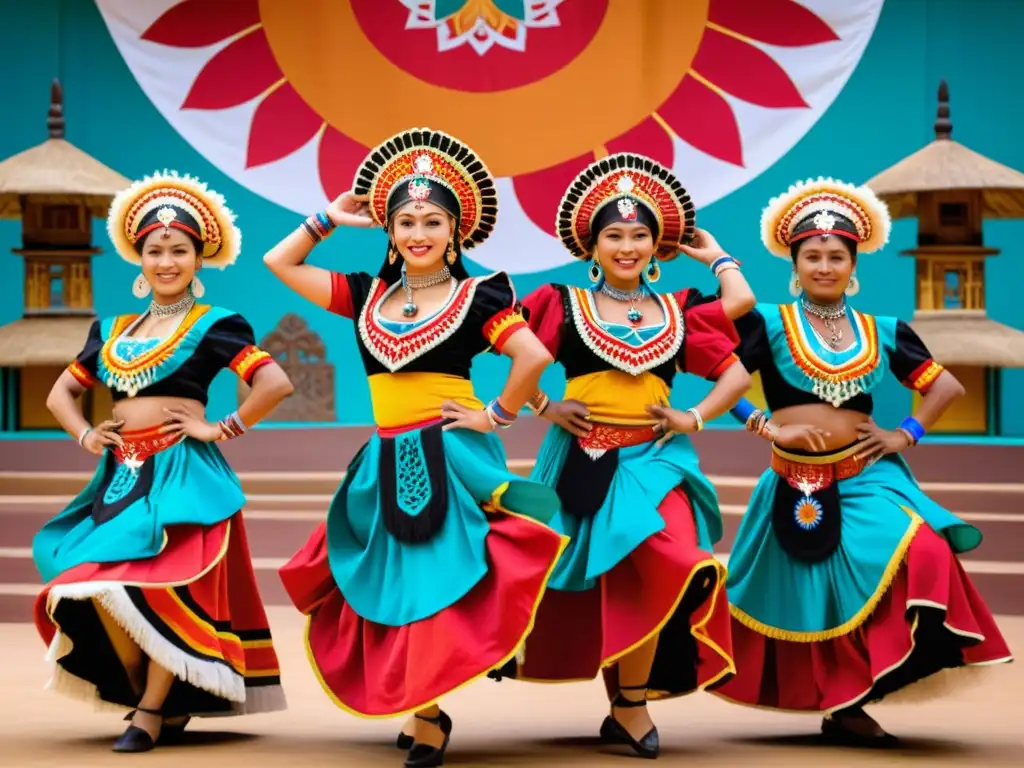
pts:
[851, 246]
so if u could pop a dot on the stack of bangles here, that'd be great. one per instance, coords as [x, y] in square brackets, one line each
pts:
[318, 226]
[722, 263]
[231, 426]
[912, 428]
[499, 416]
[539, 403]
[760, 424]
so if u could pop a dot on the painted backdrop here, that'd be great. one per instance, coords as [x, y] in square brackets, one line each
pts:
[275, 103]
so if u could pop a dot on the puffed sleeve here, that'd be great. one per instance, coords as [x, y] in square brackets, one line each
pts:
[349, 292]
[498, 310]
[709, 340]
[911, 362]
[84, 367]
[546, 314]
[231, 344]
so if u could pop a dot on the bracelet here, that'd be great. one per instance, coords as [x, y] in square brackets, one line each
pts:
[760, 424]
[231, 426]
[81, 437]
[720, 261]
[697, 417]
[318, 226]
[906, 434]
[539, 403]
[914, 429]
[499, 416]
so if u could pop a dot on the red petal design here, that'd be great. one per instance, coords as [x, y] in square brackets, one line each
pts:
[540, 192]
[776, 22]
[283, 122]
[239, 73]
[198, 23]
[338, 159]
[744, 71]
[647, 138]
[704, 120]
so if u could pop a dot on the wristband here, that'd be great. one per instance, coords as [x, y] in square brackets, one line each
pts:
[84, 433]
[697, 417]
[742, 410]
[721, 260]
[913, 428]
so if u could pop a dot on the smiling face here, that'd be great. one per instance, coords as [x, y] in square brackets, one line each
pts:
[421, 232]
[169, 262]
[824, 266]
[624, 250]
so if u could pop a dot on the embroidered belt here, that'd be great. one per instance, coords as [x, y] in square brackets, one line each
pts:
[816, 472]
[605, 437]
[140, 444]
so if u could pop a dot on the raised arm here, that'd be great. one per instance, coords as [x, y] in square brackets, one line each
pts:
[736, 295]
[287, 259]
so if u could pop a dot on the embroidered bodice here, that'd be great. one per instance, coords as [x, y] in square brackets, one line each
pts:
[798, 368]
[481, 313]
[183, 364]
[695, 337]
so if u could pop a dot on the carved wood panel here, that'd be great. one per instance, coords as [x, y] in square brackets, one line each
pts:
[303, 356]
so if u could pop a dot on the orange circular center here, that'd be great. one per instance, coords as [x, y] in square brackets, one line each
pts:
[634, 62]
[807, 513]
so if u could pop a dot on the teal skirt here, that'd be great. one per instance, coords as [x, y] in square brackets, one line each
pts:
[785, 597]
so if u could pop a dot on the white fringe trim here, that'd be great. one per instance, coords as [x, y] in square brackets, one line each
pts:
[217, 678]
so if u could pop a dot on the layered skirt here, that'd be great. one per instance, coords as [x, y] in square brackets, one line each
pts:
[845, 588]
[156, 543]
[428, 571]
[641, 519]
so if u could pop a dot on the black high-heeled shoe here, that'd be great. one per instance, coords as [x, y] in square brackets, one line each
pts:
[836, 733]
[424, 755]
[405, 741]
[170, 733]
[135, 739]
[614, 732]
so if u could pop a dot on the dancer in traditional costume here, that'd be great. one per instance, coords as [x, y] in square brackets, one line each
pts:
[637, 592]
[429, 568]
[844, 579]
[150, 599]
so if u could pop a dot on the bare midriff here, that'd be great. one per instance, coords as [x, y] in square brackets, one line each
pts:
[839, 423]
[145, 412]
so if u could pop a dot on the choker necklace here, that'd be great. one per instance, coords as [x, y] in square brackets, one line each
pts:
[167, 310]
[633, 314]
[409, 309]
[828, 314]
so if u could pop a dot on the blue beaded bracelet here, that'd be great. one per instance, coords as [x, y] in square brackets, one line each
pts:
[720, 261]
[913, 428]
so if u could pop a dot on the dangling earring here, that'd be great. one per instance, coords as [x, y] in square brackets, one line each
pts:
[653, 270]
[794, 285]
[197, 287]
[596, 273]
[392, 253]
[853, 287]
[451, 255]
[141, 287]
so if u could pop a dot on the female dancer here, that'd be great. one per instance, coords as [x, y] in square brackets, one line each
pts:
[637, 592]
[874, 597]
[150, 599]
[427, 573]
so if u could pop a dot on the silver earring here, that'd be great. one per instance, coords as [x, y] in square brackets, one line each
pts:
[794, 285]
[853, 287]
[141, 287]
[197, 287]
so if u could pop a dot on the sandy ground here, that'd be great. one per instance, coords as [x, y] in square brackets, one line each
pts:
[502, 724]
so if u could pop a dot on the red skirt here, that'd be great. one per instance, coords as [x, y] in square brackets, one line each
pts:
[931, 620]
[194, 609]
[373, 670]
[666, 587]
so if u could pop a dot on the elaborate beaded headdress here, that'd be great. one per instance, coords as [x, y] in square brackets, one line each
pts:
[825, 207]
[630, 188]
[169, 201]
[427, 165]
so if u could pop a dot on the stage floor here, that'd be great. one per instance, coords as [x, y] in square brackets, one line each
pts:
[502, 724]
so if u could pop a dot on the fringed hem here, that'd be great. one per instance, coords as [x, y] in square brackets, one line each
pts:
[216, 678]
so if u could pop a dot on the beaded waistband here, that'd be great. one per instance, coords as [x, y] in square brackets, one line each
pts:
[140, 444]
[815, 472]
[605, 437]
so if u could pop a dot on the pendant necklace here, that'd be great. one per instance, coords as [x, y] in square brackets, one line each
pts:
[828, 314]
[633, 314]
[409, 309]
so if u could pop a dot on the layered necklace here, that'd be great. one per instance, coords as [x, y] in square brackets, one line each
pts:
[633, 314]
[409, 284]
[184, 304]
[828, 314]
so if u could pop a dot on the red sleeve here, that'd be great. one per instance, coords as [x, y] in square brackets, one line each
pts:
[710, 340]
[341, 295]
[546, 316]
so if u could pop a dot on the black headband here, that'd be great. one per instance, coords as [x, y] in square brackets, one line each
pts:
[827, 223]
[182, 220]
[426, 190]
[624, 210]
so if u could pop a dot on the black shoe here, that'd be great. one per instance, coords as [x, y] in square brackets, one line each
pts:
[614, 732]
[405, 741]
[170, 733]
[835, 733]
[424, 755]
[136, 739]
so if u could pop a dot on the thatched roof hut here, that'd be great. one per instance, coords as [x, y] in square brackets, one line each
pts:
[42, 341]
[969, 337]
